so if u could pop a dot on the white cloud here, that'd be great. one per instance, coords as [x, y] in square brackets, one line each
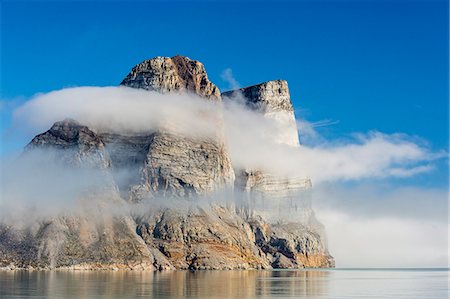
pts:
[119, 109]
[308, 133]
[367, 226]
[372, 155]
[384, 226]
[250, 135]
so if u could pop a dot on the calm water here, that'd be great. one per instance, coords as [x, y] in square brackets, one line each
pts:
[227, 284]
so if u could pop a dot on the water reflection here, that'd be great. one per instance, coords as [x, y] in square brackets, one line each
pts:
[173, 284]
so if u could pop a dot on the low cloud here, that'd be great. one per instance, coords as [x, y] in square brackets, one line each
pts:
[118, 109]
[360, 156]
[367, 225]
[250, 135]
[384, 226]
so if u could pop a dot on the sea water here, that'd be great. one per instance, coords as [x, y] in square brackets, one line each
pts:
[333, 283]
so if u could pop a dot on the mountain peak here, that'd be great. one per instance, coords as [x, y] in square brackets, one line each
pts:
[269, 96]
[172, 74]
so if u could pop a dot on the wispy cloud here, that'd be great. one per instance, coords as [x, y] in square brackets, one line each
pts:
[380, 225]
[250, 135]
[308, 133]
[227, 76]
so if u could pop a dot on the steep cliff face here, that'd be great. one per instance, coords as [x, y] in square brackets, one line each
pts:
[76, 242]
[179, 166]
[272, 100]
[142, 170]
[176, 165]
[295, 236]
[73, 142]
[203, 237]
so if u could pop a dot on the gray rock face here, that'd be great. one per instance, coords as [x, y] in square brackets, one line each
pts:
[73, 142]
[127, 154]
[187, 232]
[275, 197]
[176, 165]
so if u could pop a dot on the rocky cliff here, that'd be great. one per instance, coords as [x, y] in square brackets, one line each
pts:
[267, 191]
[74, 143]
[271, 99]
[177, 165]
[124, 226]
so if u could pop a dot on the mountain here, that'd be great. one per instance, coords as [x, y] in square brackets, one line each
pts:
[123, 224]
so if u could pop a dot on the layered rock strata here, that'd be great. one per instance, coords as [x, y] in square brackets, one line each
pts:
[289, 196]
[73, 142]
[177, 165]
[271, 99]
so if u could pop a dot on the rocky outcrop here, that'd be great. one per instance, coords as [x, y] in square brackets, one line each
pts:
[271, 99]
[177, 165]
[292, 244]
[76, 242]
[275, 197]
[68, 144]
[152, 212]
[76, 144]
[176, 74]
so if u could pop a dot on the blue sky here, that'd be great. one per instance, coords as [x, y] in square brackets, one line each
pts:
[364, 65]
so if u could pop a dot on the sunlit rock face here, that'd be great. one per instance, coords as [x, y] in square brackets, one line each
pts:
[123, 225]
[175, 74]
[272, 99]
[176, 165]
